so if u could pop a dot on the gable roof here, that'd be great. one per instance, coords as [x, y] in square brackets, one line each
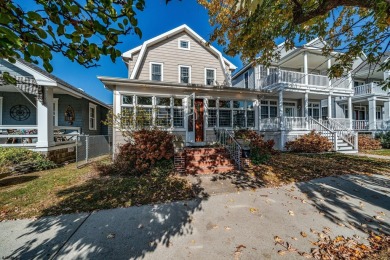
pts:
[183, 28]
[61, 82]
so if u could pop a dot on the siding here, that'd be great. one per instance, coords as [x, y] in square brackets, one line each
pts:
[239, 82]
[168, 53]
[11, 99]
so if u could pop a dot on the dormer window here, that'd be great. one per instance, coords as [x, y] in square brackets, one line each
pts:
[184, 44]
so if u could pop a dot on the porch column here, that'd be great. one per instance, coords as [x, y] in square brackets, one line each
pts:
[386, 112]
[281, 123]
[372, 113]
[45, 119]
[330, 106]
[350, 112]
[305, 68]
[306, 109]
[329, 65]
[350, 81]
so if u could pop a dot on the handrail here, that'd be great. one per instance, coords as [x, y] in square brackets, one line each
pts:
[325, 131]
[345, 134]
[227, 140]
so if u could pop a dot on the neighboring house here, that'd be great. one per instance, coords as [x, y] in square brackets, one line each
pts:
[370, 103]
[44, 113]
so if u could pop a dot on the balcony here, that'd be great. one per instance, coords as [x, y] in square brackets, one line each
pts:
[369, 89]
[298, 80]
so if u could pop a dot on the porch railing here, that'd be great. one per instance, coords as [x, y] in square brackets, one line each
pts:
[323, 130]
[360, 124]
[344, 133]
[18, 135]
[293, 78]
[371, 88]
[295, 123]
[66, 134]
[227, 140]
[272, 123]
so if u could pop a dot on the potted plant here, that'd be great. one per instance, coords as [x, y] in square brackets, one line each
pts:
[178, 143]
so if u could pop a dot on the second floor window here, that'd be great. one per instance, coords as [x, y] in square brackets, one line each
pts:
[184, 74]
[156, 73]
[210, 76]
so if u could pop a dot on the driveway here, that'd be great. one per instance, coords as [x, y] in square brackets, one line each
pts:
[232, 225]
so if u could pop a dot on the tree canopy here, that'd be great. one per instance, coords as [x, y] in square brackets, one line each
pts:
[81, 30]
[351, 27]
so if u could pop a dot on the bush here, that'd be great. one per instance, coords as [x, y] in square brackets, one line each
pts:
[384, 138]
[366, 142]
[145, 149]
[310, 143]
[261, 150]
[11, 158]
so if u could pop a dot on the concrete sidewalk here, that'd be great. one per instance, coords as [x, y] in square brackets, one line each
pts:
[239, 225]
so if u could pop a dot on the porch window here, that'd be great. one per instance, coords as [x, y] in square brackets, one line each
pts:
[178, 113]
[128, 100]
[163, 114]
[269, 109]
[127, 115]
[225, 113]
[212, 113]
[238, 113]
[185, 74]
[144, 111]
[250, 114]
[314, 110]
[379, 112]
[92, 116]
[156, 72]
[210, 76]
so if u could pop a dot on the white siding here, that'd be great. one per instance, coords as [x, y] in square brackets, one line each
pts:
[239, 81]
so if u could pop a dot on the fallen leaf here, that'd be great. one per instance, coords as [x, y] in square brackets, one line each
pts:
[303, 234]
[294, 238]
[111, 236]
[291, 213]
[253, 210]
[282, 252]
[278, 239]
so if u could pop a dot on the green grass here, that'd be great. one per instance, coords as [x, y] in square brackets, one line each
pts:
[70, 190]
[384, 152]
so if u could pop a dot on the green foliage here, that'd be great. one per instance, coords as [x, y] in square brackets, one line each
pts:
[250, 27]
[366, 142]
[384, 138]
[82, 30]
[310, 143]
[145, 150]
[11, 157]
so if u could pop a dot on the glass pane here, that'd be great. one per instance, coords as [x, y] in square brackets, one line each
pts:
[250, 117]
[177, 102]
[238, 104]
[184, 44]
[224, 104]
[273, 112]
[212, 118]
[127, 100]
[225, 118]
[163, 101]
[239, 118]
[212, 103]
[127, 116]
[249, 104]
[178, 117]
[264, 112]
[163, 117]
[156, 72]
[144, 100]
[144, 117]
[184, 74]
[210, 78]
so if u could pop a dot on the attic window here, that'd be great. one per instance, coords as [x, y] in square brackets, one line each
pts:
[184, 44]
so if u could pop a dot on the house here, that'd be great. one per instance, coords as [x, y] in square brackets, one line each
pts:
[370, 103]
[44, 113]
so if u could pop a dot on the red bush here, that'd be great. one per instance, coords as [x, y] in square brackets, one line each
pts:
[310, 143]
[366, 142]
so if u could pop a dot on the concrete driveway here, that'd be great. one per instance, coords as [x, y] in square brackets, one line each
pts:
[233, 225]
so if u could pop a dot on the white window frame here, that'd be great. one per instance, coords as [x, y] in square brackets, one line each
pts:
[91, 105]
[55, 110]
[183, 40]
[205, 76]
[246, 79]
[1, 110]
[150, 69]
[189, 73]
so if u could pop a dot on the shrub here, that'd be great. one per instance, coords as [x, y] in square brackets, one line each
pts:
[384, 138]
[310, 143]
[261, 150]
[366, 142]
[145, 149]
[11, 158]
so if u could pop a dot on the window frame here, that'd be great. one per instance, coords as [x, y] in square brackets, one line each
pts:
[189, 73]
[151, 71]
[246, 79]
[94, 106]
[184, 40]
[205, 76]
[268, 105]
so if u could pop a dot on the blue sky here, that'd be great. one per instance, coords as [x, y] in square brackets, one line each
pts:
[157, 18]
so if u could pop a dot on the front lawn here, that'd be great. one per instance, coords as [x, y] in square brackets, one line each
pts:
[69, 190]
[383, 152]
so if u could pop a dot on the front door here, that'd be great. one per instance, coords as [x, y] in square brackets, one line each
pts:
[289, 111]
[199, 120]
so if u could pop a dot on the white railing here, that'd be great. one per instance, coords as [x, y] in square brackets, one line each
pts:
[18, 135]
[344, 133]
[360, 124]
[368, 89]
[318, 80]
[66, 134]
[323, 130]
[295, 123]
[340, 83]
[294, 78]
[272, 123]
[345, 123]
[382, 125]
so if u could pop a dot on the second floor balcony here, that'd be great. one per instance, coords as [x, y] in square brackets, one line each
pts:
[370, 89]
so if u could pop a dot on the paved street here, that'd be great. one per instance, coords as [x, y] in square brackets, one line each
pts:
[227, 225]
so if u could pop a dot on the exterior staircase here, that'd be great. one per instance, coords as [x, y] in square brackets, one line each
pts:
[208, 161]
[344, 147]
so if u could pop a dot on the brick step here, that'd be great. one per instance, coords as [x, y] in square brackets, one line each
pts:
[213, 170]
[208, 157]
[210, 163]
[205, 151]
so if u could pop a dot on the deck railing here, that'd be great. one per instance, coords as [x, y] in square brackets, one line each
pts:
[272, 123]
[66, 134]
[11, 135]
[295, 123]
[370, 88]
[227, 140]
[360, 124]
[344, 133]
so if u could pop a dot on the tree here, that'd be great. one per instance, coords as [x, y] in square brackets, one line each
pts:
[81, 30]
[250, 27]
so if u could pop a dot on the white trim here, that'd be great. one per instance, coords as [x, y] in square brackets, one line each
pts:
[184, 40]
[55, 110]
[205, 76]
[1, 110]
[189, 72]
[150, 70]
[91, 105]
[163, 36]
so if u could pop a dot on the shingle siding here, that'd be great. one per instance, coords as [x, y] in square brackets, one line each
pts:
[239, 81]
[11, 99]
